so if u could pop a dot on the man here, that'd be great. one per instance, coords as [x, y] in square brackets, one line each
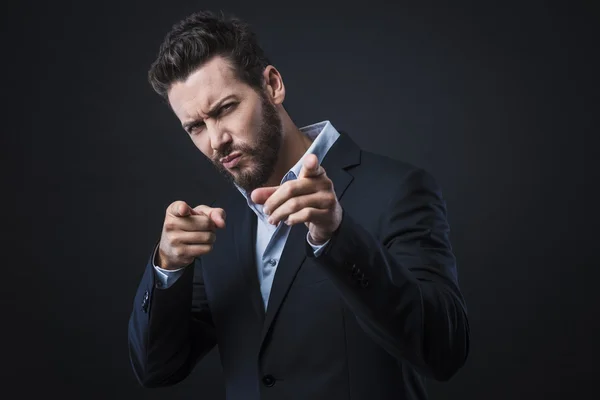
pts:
[333, 277]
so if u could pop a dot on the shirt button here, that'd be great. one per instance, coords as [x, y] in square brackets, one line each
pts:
[273, 262]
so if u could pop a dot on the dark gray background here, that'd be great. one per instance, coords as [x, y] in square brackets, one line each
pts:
[499, 101]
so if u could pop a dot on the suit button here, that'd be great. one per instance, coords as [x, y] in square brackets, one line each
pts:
[145, 301]
[364, 283]
[268, 380]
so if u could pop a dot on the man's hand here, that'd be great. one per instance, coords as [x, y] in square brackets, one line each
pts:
[309, 199]
[187, 233]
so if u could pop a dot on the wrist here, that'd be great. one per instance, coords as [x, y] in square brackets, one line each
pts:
[160, 261]
[318, 237]
[316, 242]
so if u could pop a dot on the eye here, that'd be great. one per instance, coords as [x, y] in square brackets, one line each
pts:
[196, 127]
[226, 107]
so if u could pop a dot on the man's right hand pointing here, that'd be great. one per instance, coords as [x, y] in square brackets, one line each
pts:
[187, 233]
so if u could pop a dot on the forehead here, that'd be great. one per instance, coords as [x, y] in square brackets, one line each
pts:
[208, 84]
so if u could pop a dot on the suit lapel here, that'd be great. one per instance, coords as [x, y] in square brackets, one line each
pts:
[244, 234]
[342, 154]
[291, 259]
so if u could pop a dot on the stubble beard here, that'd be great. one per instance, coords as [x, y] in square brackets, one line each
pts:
[261, 157]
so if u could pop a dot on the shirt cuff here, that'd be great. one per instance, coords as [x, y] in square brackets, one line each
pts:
[317, 248]
[165, 277]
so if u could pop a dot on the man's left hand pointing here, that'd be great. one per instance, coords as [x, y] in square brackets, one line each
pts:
[309, 199]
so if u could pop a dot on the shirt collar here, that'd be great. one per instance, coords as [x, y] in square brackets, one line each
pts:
[323, 135]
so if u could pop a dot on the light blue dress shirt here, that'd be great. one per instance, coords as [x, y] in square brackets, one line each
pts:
[270, 239]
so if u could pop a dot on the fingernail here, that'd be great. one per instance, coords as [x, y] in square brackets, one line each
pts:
[270, 220]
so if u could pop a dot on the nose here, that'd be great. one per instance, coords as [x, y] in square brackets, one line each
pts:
[219, 137]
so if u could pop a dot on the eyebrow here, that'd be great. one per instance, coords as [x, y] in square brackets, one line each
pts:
[211, 113]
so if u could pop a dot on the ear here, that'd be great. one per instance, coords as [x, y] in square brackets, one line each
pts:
[274, 84]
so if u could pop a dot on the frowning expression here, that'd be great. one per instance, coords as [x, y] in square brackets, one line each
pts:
[230, 122]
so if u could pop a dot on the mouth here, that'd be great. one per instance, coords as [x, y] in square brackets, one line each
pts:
[231, 160]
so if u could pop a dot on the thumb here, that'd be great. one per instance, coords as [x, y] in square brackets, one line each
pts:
[261, 195]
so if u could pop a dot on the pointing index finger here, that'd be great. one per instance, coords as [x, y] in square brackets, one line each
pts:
[311, 167]
[180, 209]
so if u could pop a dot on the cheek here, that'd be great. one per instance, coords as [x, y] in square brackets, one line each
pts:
[244, 124]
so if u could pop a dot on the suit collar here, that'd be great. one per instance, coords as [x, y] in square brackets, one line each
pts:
[323, 136]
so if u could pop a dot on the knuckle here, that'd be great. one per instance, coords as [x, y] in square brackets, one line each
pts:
[167, 239]
[209, 225]
[198, 224]
[289, 188]
[169, 225]
[202, 223]
[307, 213]
[293, 202]
[199, 209]
[331, 200]
[328, 184]
[178, 253]
[205, 210]
[174, 241]
[205, 237]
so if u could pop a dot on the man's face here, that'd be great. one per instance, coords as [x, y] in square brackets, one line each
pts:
[226, 117]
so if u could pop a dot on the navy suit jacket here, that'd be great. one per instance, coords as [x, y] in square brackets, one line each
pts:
[374, 315]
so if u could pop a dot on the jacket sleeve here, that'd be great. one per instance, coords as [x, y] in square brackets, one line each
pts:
[170, 329]
[402, 284]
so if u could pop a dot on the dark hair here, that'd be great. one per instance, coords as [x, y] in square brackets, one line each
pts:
[198, 38]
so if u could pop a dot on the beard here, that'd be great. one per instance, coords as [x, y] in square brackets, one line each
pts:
[264, 153]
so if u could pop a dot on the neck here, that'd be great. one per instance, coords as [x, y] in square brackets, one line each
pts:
[293, 146]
